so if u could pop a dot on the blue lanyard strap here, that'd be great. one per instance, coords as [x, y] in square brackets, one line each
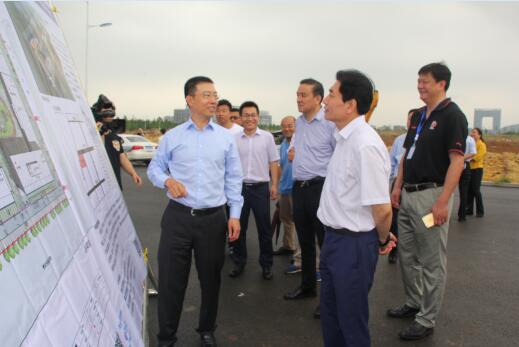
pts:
[420, 126]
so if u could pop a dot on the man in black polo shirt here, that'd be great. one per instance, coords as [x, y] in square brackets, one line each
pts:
[429, 173]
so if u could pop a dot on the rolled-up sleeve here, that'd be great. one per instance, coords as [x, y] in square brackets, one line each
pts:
[233, 180]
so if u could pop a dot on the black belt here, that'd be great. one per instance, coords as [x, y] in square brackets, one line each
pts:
[256, 184]
[421, 186]
[345, 231]
[195, 212]
[309, 182]
[342, 231]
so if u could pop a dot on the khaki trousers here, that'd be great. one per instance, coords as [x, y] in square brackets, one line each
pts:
[289, 228]
[297, 256]
[422, 254]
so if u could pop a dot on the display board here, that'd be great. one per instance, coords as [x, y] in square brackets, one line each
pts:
[71, 265]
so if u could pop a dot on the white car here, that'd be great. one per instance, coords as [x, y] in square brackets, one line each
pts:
[138, 148]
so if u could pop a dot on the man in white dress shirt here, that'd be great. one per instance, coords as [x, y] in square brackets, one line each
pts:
[355, 210]
[463, 186]
[258, 155]
[223, 117]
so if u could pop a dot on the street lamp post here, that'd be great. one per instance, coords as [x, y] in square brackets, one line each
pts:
[88, 27]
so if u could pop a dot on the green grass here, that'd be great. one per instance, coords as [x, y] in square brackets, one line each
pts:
[503, 180]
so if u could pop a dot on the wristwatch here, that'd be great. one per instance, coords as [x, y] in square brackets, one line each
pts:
[384, 244]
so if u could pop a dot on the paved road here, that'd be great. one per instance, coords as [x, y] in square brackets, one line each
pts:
[481, 305]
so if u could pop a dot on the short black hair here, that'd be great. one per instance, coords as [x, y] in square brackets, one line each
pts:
[355, 85]
[318, 88]
[225, 102]
[249, 104]
[190, 86]
[234, 109]
[439, 71]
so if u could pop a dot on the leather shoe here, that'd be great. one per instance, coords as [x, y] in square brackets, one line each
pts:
[415, 331]
[267, 273]
[402, 312]
[237, 271]
[317, 312]
[207, 339]
[300, 294]
[283, 251]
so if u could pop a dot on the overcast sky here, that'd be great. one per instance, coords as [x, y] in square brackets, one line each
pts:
[260, 51]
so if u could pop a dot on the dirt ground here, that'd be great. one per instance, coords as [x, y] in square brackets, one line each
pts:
[501, 162]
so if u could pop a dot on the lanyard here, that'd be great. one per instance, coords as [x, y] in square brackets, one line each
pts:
[420, 126]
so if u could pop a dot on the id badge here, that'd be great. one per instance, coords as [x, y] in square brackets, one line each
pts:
[411, 152]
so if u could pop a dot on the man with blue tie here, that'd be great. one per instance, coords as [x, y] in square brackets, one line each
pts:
[198, 163]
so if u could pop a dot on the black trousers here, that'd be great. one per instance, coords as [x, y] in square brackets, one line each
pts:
[305, 202]
[181, 234]
[476, 176]
[463, 187]
[256, 198]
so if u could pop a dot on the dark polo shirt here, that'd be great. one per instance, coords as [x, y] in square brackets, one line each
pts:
[114, 149]
[444, 132]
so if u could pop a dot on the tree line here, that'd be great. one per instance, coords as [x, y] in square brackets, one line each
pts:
[164, 123]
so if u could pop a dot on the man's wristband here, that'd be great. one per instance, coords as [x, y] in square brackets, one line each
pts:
[385, 243]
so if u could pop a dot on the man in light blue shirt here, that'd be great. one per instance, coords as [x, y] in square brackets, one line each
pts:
[396, 154]
[198, 163]
[463, 185]
[314, 143]
[288, 126]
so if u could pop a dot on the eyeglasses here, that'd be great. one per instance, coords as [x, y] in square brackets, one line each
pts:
[234, 117]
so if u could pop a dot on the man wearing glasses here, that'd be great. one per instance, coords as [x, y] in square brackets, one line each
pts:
[198, 163]
[258, 155]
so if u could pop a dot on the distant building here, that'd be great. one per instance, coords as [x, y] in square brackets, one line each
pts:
[265, 118]
[180, 115]
[510, 129]
[494, 113]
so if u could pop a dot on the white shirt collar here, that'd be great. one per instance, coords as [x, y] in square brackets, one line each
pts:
[257, 132]
[346, 132]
